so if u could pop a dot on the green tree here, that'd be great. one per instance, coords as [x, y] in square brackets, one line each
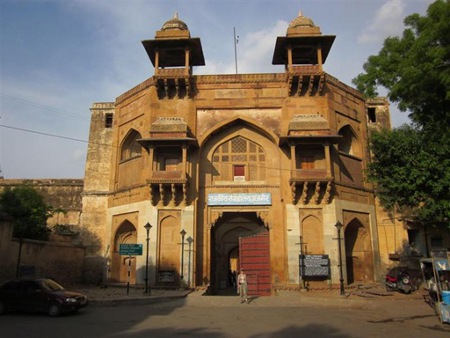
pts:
[28, 211]
[410, 172]
[411, 164]
[415, 69]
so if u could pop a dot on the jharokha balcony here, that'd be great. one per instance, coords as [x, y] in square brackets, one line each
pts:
[311, 186]
[168, 187]
[305, 80]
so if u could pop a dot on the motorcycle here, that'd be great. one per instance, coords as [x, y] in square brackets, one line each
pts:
[398, 279]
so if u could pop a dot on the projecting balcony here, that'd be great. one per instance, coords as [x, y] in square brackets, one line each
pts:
[173, 83]
[311, 185]
[306, 80]
[168, 187]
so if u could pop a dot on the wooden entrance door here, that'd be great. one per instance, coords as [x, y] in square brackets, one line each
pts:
[254, 259]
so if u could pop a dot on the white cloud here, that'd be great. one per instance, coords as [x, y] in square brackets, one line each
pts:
[388, 21]
[79, 155]
[254, 53]
[257, 49]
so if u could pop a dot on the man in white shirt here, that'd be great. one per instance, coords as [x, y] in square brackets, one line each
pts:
[242, 286]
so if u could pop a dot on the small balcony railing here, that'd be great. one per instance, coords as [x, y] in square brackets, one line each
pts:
[172, 72]
[173, 176]
[309, 175]
[306, 70]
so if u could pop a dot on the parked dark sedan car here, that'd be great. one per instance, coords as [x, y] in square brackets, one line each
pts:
[39, 295]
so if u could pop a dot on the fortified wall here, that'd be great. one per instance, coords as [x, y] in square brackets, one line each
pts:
[62, 194]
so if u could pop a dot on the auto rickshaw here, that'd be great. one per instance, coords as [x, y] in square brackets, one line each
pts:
[436, 276]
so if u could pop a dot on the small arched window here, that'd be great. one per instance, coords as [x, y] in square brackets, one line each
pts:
[130, 147]
[349, 144]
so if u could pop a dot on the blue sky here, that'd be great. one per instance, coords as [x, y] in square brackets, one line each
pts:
[60, 56]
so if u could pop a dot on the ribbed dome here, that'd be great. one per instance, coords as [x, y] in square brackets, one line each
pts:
[175, 23]
[301, 21]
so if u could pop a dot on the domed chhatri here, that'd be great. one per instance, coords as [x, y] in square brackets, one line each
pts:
[173, 29]
[302, 26]
[174, 23]
[173, 46]
[301, 21]
[303, 44]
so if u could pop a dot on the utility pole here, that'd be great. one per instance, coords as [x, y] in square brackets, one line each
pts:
[236, 40]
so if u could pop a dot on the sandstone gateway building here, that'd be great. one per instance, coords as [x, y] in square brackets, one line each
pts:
[234, 171]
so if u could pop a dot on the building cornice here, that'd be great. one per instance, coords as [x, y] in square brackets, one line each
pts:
[133, 91]
[241, 78]
[335, 82]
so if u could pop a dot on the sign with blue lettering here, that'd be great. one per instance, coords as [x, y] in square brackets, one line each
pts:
[264, 198]
[130, 250]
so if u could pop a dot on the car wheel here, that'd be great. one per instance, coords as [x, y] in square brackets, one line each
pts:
[3, 308]
[54, 310]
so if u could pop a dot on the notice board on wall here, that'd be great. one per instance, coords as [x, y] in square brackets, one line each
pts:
[314, 266]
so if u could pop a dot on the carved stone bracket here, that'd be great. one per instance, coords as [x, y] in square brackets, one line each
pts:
[317, 193]
[214, 217]
[321, 84]
[294, 191]
[304, 195]
[312, 191]
[301, 83]
[173, 86]
[264, 216]
[169, 193]
[328, 192]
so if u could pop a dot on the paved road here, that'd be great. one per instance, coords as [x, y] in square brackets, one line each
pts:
[214, 316]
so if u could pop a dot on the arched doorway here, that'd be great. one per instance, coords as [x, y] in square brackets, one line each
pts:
[358, 251]
[125, 234]
[225, 246]
[169, 251]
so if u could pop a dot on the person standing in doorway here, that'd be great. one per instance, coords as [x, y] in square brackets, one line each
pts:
[242, 286]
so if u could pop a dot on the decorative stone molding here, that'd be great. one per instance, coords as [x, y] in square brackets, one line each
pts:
[311, 122]
[335, 82]
[265, 217]
[214, 217]
[241, 78]
[140, 87]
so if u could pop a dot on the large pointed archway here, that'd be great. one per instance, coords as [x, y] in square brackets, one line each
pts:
[225, 254]
[358, 252]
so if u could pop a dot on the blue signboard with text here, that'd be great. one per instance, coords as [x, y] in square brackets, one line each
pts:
[130, 250]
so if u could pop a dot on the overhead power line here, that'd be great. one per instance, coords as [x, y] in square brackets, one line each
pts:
[45, 134]
[43, 107]
[51, 135]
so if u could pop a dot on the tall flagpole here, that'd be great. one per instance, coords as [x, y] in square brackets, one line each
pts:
[235, 49]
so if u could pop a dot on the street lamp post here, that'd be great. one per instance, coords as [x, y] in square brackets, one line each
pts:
[339, 226]
[147, 227]
[189, 240]
[182, 233]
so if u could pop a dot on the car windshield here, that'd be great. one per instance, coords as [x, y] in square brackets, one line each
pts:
[51, 285]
